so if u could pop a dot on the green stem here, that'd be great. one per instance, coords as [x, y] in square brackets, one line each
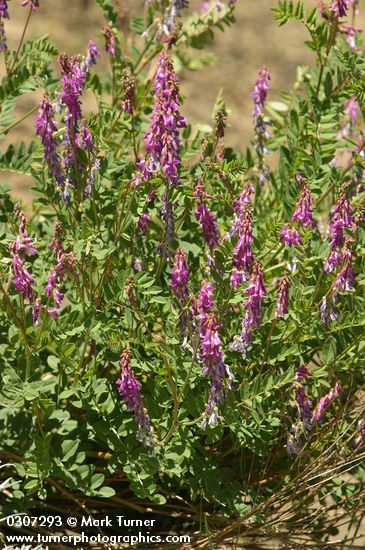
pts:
[19, 120]
[175, 403]
[267, 347]
[26, 346]
[329, 46]
[113, 81]
[148, 59]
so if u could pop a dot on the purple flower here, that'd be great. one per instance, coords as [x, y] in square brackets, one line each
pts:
[290, 236]
[180, 277]
[66, 263]
[73, 80]
[346, 277]
[36, 311]
[294, 444]
[3, 41]
[162, 140]
[327, 313]
[23, 280]
[34, 4]
[205, 217]
[260, 91]
[240, 208]
[259, 96]
[92, 55]
[4, 10]
[130, 391]
[53, 312]
[242, 224]
[143, 222]
[319, 412]
[343, 282]
[204, 7]
[283, 298]
[351, 32]
[256, 293]
[46, 129]
[129, 93]
[109, 40]
[302, 373]
[208, 224]
[90, 182]
[339, 7]
[243, 254]
[361, 433]
[213, 368]
[211, 354]
[205, 302]
[341, 221]
[74, 75]
[174, 12]
[85, 140]
[303, 213]
[23, 246]
[352, 110]
[304, 406]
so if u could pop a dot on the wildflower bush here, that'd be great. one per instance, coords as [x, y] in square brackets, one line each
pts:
[182, 324]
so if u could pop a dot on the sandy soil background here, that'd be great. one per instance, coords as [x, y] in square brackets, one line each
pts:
[255, 40]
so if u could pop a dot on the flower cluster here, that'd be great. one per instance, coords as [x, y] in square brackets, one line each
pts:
[307, 416]
[343, 283]
[34, 4]
[180, 277]
[23, 247]
[318, 415]
[205, 217]
[281, 308]
[4, 9]
[4, 14]
[65, 264]
[211, 353]
[361, 433]
[341, 221]
[3, 40]
[74, 74]
[130, 391]
[174, 12]
[303, 213]
[302, 216]
[162, 139]
[256, 293]
[143, 222]
[326, 311]
[77, 136]
[109, 40]
[242, 224]
[46, 129]
[259, 96]
[351, 32]
[304, 408]
[129, 93]
[341, 256]
[340, 7]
